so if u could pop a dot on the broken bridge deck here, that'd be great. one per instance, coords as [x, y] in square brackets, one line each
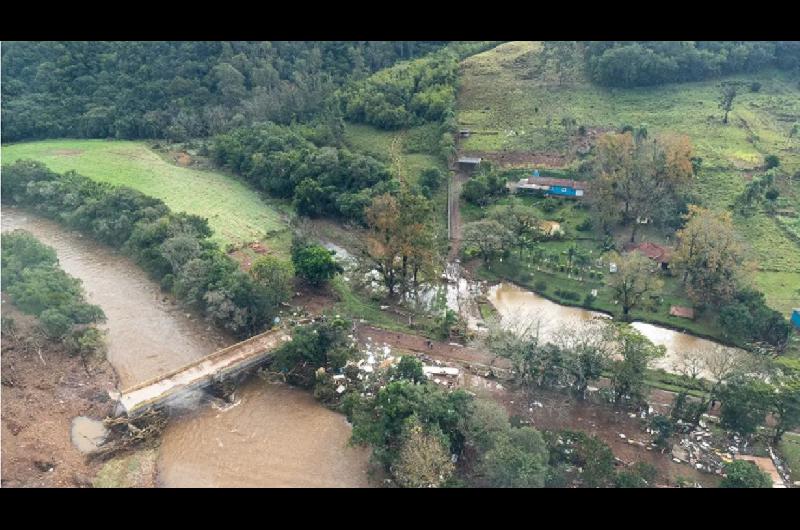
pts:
[197, 374]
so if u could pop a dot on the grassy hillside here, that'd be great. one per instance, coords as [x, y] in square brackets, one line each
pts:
[235, 212]
[408, 153]
[515, 116]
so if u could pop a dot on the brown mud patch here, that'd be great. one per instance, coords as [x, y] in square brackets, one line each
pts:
[183, 159]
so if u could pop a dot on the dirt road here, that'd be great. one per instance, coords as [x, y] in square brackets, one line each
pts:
[457, 181]
[418, 344]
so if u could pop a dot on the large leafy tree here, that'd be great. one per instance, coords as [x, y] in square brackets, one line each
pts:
[634, 282]
[424, 459]
[743, 474]
[518, 459]
[631, 353]
[709, 254]
[745, 403]
[315, 264]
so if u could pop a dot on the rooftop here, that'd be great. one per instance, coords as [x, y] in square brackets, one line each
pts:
[547, 181]
[469, 160]
[651, 250]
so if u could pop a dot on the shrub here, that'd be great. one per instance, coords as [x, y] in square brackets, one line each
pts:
[87, 342]
[540, 286]
[567, 295]
[771, 161]
[588, 300]
[755, 86]
[315, 264]
[585, 225]
[744, 474]
[54, 324]
[549, 205]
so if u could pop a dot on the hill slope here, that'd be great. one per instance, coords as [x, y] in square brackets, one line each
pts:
[515, 112]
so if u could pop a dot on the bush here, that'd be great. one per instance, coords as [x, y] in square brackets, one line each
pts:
[540, 286]
[589, 300]
[744, 474]
[87, 342]
[54, 324]
[585, 225]
[315, 264]
[755, 86]
[549, 205]
[771, 161]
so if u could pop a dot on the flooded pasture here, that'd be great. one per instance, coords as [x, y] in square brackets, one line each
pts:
[525, 311]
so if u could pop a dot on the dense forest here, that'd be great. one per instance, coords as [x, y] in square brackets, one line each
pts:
[642, 63]
[177, 90]
[322, 181]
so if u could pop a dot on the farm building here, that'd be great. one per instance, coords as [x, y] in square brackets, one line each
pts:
[657, 253]
[551, 186]
[468, 163]
[796, 318]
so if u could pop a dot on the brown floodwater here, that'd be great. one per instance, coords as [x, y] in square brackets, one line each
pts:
[523, 310]
[147, 333]
[273, 436]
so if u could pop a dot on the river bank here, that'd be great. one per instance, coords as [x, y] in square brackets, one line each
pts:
[43, 389]
[148, 335]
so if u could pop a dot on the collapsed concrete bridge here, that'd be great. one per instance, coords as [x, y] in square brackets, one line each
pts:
[228, 361]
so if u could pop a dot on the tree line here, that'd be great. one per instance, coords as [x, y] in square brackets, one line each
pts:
[174, 248]
[644, 63]
[38, 286]
[177, 90]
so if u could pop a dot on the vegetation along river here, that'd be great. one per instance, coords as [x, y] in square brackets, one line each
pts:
[272, 436]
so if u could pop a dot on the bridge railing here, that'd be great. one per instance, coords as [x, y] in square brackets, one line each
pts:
[209, 357]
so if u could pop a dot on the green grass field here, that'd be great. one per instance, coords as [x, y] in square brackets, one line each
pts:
[789, 449]
[235, 211]
[510, 110]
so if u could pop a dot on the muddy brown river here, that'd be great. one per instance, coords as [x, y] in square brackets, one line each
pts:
[273, 436]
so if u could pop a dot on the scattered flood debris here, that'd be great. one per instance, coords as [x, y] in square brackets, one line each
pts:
[128, 433]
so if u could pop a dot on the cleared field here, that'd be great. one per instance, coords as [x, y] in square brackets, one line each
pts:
[516, 117]
[235, 211]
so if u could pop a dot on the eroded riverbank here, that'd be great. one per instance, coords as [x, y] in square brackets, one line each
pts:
[275, 435]
[148, 334]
